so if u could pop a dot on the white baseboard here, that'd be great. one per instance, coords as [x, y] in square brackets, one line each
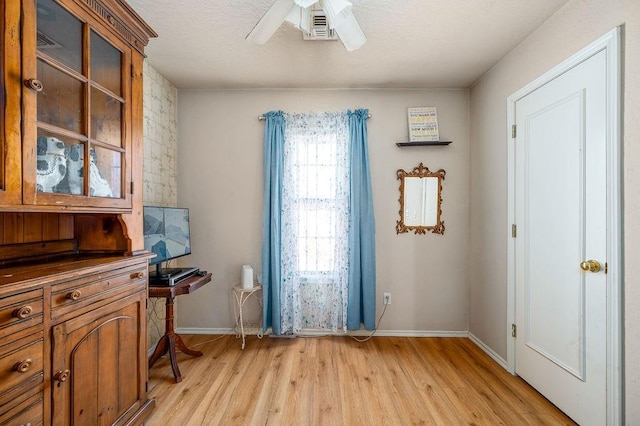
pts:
[408, 333]
[199, 330]
[497, 358]
[363, 333]
[359, 333]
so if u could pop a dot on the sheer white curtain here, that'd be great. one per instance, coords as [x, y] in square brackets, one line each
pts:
[315, 222]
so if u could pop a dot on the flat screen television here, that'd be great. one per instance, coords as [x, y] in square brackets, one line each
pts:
[166, 234]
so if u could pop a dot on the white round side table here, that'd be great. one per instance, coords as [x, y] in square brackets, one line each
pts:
[241, 295]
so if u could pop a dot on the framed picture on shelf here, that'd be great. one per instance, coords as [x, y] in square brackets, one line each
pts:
[423, 124]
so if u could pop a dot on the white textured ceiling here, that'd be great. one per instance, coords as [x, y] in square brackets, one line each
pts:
[411, 44]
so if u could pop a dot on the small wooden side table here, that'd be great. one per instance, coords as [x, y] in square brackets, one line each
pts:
[241, 295]
[171, 340]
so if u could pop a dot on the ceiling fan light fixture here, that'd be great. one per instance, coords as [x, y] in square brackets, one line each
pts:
[338, 13]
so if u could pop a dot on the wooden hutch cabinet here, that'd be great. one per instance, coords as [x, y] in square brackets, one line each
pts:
[71, 71]
[73, 269]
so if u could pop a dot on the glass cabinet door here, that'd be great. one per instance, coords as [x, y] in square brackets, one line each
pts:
[81, 108]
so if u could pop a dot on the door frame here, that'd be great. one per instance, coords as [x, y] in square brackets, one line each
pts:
[611, 43]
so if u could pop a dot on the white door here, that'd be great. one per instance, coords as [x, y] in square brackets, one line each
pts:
[561, 217]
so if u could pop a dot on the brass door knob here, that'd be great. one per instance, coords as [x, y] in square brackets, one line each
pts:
[34, 84]
[74, 295]
[62, 375]
[23, 366]
[23, 312]
[590, 266]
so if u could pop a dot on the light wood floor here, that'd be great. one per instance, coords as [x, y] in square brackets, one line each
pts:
[338, 381]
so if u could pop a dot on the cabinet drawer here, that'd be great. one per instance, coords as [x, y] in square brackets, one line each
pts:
[20, 361]
[20, 311]
[30, 412]
[71, 294]
[17, 395]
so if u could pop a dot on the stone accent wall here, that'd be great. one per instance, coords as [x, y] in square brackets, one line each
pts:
[160, 139]
[160, 105]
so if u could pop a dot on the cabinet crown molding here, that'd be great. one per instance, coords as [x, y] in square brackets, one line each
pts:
[121, 17]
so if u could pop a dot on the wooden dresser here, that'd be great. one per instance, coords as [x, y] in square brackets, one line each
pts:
[73, 269]
[71, 350]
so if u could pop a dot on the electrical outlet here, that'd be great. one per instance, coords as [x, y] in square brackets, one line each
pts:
[386, 299]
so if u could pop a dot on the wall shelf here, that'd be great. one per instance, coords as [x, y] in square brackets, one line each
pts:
[428, 143]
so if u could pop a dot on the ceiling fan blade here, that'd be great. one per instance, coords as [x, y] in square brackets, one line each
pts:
[270, 22]
[337, 11]
[341, 19]
[300, 18]
[351, 34]
[305, 3]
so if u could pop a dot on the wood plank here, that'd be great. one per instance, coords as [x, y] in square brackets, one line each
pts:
[416, 387]
[66, 229]
[279, 372]
[337, 381]
[11, 109]
[327, 383]
[29, 115]
[300, 396]
[264, 401]
[84, 382]
[127, 358]
[108, 363]
[13, 228]
[12, 252]
[19, 227]
[133, 222]
[32, 227]
[50, 227]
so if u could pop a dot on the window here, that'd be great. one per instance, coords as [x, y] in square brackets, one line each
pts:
[315, 219]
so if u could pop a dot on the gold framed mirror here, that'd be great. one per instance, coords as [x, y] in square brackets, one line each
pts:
[420, 201]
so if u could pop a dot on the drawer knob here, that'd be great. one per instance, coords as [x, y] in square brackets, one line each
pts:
[62, 375]
[34, 84]
[23, 366]
[23, 312]
[74, 295]
[137, 275]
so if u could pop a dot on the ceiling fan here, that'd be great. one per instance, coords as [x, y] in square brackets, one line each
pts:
[303, 13]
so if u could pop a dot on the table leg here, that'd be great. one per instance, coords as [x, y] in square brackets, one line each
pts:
[161, 348]
[170, 342]
[174, 360]
[183, 348]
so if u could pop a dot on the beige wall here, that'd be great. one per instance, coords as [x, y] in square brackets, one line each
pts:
[220, 180]
[160, 104]
[576, 25]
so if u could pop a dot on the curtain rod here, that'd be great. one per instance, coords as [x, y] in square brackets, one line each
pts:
[262, 118]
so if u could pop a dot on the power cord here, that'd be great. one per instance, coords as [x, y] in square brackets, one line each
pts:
[373, 332]
[154, 318]
[212, 340]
